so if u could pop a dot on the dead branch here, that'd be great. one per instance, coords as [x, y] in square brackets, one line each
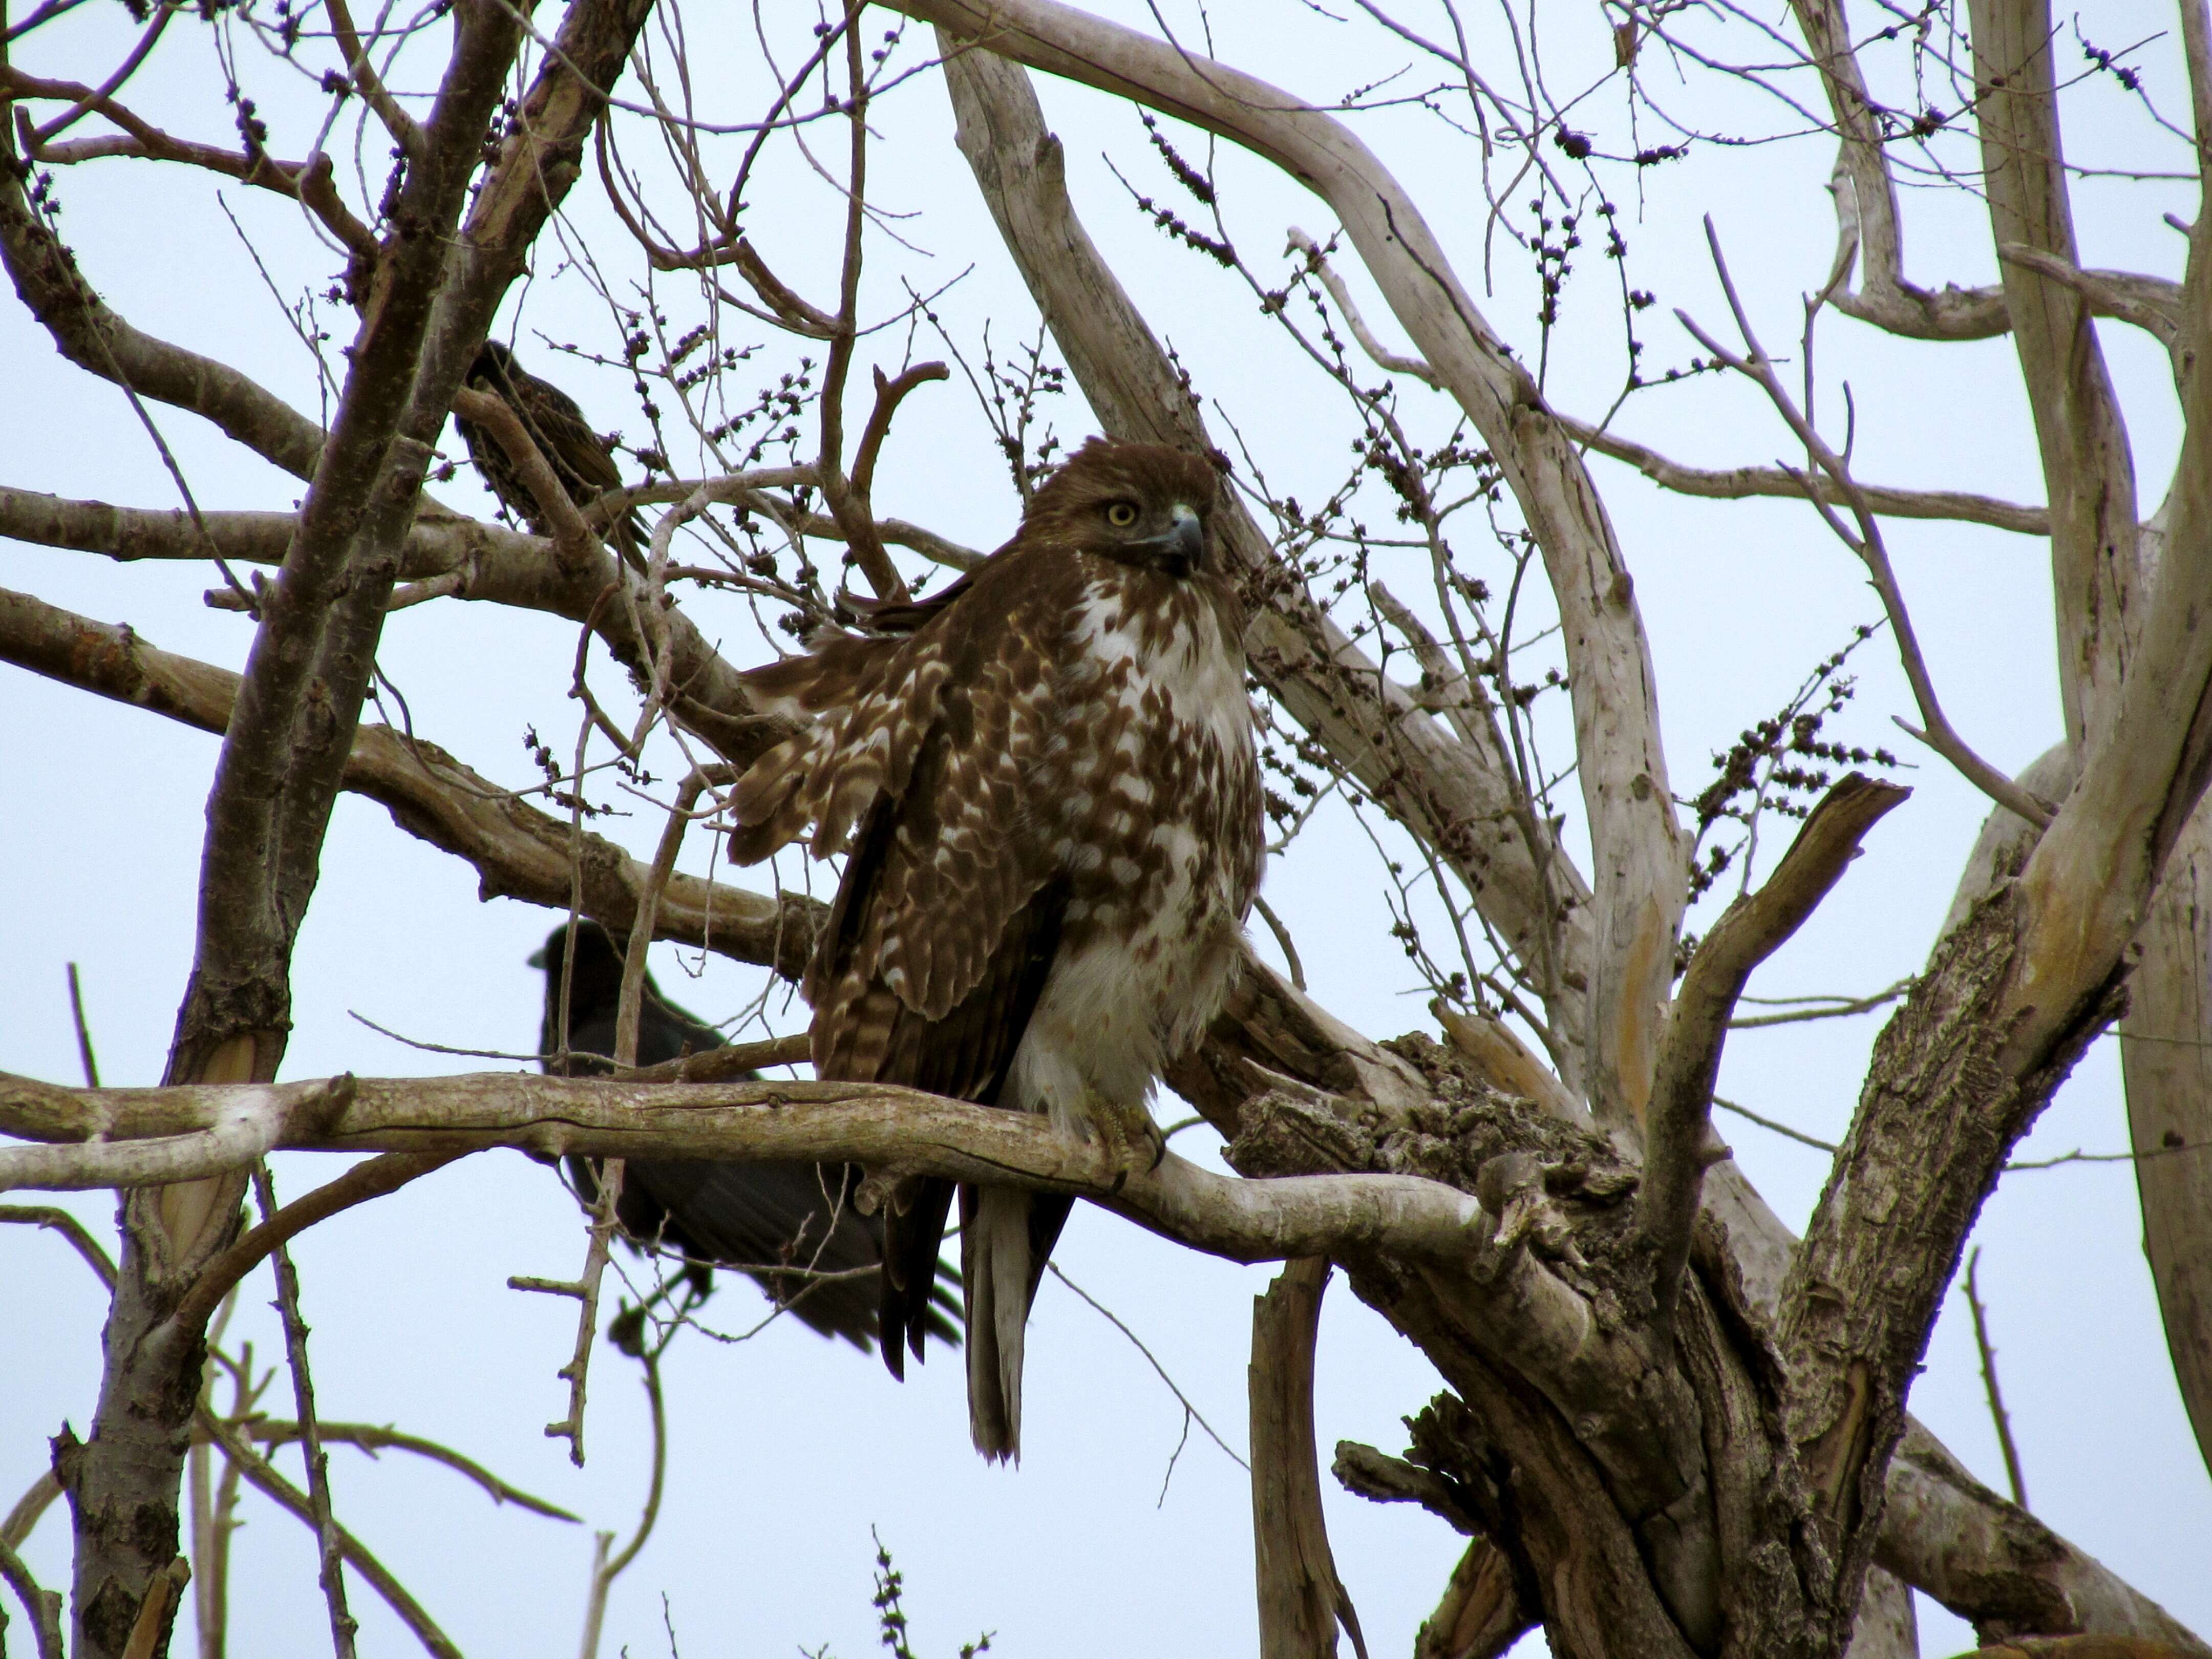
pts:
[584, 1290]
[813, 1122]
[1998, 1417]
[1381, 1479]
[263, 1477]
[1301, 1597]
[1752, 929]
[44, 1605]
[329, 1571]
[1480, 1615]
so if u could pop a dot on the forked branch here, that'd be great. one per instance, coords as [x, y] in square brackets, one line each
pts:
[1752, 929]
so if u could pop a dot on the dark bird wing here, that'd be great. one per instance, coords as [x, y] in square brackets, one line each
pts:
[793, 1228]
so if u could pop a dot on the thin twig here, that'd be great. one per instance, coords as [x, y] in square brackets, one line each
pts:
[1988, 1354]
[1833, 1008]
[603, 1570]
[1939, 735]
[1114, 1320]
[584, 1288]
[330, 1572]
[1797, 1135]
[259, 1474]
[83, 1031]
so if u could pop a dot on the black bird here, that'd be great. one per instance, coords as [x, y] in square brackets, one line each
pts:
[780, 1224]
[581, 460]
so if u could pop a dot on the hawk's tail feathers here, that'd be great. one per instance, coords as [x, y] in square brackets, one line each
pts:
[995, 1271]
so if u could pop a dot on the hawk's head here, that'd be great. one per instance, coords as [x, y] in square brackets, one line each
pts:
[1142, 504]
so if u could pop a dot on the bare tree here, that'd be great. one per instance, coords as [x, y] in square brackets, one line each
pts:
[1670, 1427]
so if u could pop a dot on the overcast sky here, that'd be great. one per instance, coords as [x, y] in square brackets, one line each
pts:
[787, 1450]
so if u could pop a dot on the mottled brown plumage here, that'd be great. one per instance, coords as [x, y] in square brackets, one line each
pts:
[580, 459]
[1044, 783]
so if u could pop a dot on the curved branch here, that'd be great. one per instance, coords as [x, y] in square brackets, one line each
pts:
[150, 1135]
[1737, 484]
[374, 1437]
[372, 1179]
[518, 850]
[1751, 930]
[259, 1474]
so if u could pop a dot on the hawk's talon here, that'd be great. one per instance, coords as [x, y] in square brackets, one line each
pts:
[1130, 1138]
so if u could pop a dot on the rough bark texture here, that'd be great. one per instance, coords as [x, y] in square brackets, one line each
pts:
[2166, 1060]
[1300, 1596]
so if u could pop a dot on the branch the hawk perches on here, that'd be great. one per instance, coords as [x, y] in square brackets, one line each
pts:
[1044, 781]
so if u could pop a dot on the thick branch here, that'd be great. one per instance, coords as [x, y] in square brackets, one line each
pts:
[2088, 468]
[518, 850]
[1752, 929]
[2013, 995]
[1301, 1597]
[881, 1127]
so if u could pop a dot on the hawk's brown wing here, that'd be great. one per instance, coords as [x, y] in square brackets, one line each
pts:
[966, 1054]
[928, 744]
[948, 917]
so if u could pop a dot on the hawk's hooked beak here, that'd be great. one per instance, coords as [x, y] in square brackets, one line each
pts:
[1178, 551]
[537, 958]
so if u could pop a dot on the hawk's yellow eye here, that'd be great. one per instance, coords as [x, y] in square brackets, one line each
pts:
[1122, 515]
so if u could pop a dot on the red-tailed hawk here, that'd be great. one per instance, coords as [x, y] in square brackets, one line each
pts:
[1046, 785]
